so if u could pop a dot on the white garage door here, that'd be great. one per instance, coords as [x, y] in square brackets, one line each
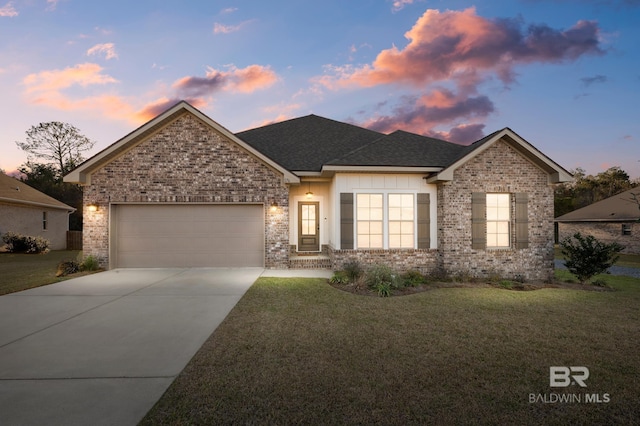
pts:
[161, 236]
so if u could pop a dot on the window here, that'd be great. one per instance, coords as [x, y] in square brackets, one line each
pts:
[401, 214]
[498, 220]
[626, 229]
[369, 220]
[44, 221]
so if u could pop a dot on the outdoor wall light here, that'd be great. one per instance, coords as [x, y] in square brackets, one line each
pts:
[274, 206]
[93, 207]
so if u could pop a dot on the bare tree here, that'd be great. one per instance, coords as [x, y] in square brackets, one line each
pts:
[56, 143]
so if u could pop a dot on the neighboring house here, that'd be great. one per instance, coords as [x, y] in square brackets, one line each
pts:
[27, 211]
[184, 191]
[615, 218]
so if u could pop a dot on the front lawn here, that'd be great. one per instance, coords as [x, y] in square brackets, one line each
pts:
[23, 271]
[298, 351]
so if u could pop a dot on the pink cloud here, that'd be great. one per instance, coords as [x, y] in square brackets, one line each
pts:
[461, 49]
[441, 106]
[445, 45]
[108, 49]
[8, 10]
[245, 80]
[84, 75]
[152, 109]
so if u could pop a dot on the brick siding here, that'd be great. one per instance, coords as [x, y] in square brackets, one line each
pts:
[402, 260]
[498, 169]
[187, 162]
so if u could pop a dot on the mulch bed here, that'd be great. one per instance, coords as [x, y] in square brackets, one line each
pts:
[363, 290]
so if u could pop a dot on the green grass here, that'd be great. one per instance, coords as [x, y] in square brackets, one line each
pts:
[298, 351]
[23, 271]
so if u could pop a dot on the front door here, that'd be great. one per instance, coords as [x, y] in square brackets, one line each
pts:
[308, 226]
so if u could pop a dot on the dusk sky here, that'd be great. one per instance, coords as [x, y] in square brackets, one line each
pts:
[564, 74]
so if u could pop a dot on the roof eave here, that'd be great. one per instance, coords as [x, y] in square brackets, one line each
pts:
[37, 204]
[555, 172]
[378, 169]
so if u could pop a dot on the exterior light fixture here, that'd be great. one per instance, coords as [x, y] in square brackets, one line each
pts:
[274, 206]
[93, 207]
[309, 194]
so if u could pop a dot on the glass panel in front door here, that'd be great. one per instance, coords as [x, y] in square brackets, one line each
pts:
[308, 219]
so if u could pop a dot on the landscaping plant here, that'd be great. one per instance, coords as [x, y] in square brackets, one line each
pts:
[17, 243]
[586, 256]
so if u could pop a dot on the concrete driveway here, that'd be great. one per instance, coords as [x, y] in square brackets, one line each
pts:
[103, 348]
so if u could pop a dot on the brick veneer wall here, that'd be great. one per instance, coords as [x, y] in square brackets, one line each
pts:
[607, 232]
[424, 260]
[498, 169]
[188, 162]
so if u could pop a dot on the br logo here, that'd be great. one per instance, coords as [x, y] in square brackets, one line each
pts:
[561, 377]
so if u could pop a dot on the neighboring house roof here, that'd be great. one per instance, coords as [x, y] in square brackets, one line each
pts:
[82, 173]
[619, 208]
[307, 143]
[14, 191]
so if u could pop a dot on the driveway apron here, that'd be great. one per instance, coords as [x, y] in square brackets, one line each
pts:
[103, 348]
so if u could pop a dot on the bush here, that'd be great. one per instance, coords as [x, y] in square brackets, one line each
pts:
[586, 256]
[353, 270]
[90, 263]
[339, 277]
[17, 243]
[413, 279]
[67, 267]
[382, 279]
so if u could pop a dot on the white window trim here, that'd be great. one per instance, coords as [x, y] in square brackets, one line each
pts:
[508, 221]
[385, 218]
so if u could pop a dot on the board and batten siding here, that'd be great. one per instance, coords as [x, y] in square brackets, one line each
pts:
[385, 184]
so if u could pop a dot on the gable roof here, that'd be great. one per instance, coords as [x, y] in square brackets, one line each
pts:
[307, 143]
[82, 173]
[621, 207]
[14, 191]
[556, 172]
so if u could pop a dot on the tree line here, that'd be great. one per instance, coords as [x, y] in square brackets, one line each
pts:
[588, 189]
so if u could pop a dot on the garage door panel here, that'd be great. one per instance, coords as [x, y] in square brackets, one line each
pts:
[188, 235]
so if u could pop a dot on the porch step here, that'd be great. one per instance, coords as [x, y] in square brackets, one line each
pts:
[306, 261]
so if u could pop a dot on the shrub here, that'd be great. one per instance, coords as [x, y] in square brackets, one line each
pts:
[17, 243]
[586, 256]
[383, 289]
[353, 270]
[339, 277]
[67, 267]
[413, 278]
[90, 263]
[382, 279]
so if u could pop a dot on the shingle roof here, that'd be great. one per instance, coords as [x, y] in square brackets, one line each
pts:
[13, 190]
[405, 149]
[309, 142]
[622, 207]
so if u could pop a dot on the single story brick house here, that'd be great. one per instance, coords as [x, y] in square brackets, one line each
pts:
[27, 211]
[312, 192]
[614, 219]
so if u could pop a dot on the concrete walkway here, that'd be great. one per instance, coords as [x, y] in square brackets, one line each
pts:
[103, 348]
